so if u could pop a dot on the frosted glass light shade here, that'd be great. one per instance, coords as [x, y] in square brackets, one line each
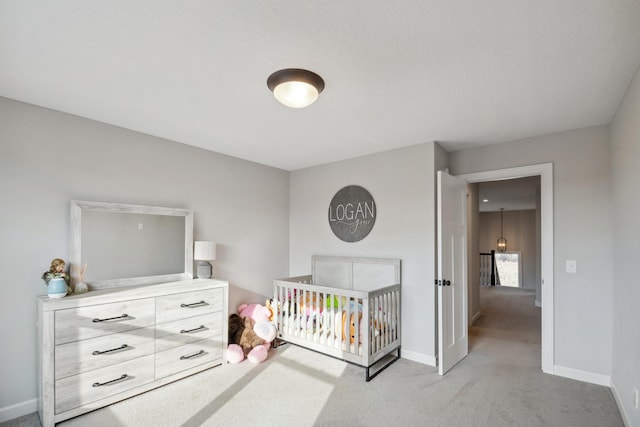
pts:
[204, 251]
[296, 94]
[295, 87]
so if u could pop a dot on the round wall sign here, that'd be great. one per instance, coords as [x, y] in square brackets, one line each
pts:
[352, 213]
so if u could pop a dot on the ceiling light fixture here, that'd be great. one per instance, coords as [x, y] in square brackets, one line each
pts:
[294, 87]
[502, 242]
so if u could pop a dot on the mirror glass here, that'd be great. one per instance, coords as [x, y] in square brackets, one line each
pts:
[130, 244]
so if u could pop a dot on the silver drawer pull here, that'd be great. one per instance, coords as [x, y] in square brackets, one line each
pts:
[109, 382]
[124, 316]
[122, 347]
[199, 328]
[200, 353]
[194, 304]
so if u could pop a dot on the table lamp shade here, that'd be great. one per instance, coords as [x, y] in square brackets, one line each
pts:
[204, 251]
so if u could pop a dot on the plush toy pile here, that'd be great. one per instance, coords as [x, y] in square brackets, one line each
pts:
[250, 334]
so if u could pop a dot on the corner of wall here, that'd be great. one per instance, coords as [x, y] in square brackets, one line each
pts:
[619, 404]
[425, 359]
[441, 157]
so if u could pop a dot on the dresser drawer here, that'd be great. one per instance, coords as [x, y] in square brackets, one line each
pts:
[187, 356]
[191, 329]
[95, 353]
[78, 390]
[97, 320]
[188, 304]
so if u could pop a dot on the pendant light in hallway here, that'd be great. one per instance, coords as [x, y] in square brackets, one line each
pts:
[502, 242]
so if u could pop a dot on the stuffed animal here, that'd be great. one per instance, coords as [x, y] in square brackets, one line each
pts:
[250, 334]
[244, 342]
[274, 307]
[352, 326]
[259, 314]
[340, 323]
[256, 312]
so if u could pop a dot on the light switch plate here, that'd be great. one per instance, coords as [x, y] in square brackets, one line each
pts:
[572, 266]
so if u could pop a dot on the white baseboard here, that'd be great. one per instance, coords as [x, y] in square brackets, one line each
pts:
[538, 303]
[19, 409]
[616, 397]
[475, 317]
[577, 374]
[418, 357]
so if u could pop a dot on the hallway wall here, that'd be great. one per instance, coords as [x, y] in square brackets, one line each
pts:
[519, 228]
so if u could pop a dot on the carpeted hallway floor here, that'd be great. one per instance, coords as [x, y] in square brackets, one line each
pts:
[499, 384]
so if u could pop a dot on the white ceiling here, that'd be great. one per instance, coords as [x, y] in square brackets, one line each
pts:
[398, 73]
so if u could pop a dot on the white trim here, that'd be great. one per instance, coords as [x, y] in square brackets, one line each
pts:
[538, 303]
[616, 396]
[476, 317]
[577, 374]
[18, 410]
[419, 357]
[545, 170]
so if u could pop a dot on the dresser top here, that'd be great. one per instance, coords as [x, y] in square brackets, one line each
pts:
[103, 296]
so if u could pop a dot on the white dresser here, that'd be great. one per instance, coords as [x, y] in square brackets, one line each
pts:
[107, 345]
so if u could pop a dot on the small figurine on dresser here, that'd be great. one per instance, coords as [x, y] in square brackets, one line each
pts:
[57, 279]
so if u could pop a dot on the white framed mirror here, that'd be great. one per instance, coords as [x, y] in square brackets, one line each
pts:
[127, 245]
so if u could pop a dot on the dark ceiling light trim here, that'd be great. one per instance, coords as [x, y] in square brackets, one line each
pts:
[295, 87]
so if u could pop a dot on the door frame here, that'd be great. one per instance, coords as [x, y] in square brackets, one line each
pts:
[545, 171]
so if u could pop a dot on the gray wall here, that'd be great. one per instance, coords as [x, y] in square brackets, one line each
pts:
[625, 167]
[402, 183]
[519, 228]
[49, 158]
[582, 231]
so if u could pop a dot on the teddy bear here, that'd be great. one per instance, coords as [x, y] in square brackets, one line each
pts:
[250, 334]
[244, 342]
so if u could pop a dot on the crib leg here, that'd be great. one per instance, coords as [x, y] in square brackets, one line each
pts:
[385, 366]
[277, 343]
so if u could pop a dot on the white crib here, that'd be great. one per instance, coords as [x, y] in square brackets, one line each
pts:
[348, 308]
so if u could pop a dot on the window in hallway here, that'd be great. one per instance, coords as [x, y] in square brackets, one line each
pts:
[509, 269]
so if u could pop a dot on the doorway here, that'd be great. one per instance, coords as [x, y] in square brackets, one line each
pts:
[545, 171]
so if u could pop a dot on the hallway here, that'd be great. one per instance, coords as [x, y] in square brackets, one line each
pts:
[509, 327]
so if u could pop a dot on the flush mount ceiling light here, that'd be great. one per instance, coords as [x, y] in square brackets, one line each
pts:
[294, 87]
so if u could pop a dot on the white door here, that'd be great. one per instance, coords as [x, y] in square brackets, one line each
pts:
[452, 271]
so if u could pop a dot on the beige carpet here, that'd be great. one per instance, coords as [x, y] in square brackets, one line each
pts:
[499, 384]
